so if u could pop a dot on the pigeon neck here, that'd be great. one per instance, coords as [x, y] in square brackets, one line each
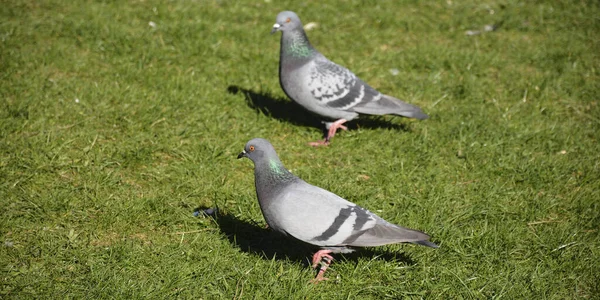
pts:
[272, 170]
[295, 44]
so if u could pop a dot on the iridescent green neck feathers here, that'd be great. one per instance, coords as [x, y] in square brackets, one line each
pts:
[295, 44]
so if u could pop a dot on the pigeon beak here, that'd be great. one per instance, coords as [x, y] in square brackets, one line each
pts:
[242, 154]
[276, 27]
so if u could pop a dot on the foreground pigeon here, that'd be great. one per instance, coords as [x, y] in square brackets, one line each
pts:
[316, 216]
[325, 88]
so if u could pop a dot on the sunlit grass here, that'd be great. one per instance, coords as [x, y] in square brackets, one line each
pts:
[119, 119]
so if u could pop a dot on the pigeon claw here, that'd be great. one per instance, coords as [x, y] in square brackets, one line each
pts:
[319, 278]
[319, 143]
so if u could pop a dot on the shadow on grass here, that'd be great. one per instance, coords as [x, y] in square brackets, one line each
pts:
[278, 108]
[289, 111]
[268, 244]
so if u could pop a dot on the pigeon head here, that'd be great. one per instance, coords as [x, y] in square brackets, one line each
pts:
[265, 159]
[259, 149]
[286, 20]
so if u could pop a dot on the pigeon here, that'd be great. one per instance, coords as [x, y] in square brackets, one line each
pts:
[326, 88]
[316, 216]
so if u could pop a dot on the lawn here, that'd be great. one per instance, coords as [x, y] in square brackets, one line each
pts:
[119, 119]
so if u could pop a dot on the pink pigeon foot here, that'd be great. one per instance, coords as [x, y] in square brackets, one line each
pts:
[323, 259]
[333, 127]
[319, 143]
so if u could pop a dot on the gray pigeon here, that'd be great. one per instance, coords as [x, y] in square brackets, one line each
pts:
[325, 88]
[316, 216]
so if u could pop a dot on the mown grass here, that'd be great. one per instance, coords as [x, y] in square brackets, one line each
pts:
[112, 132]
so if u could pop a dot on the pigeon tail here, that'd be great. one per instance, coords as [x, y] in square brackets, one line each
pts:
[385, 233]
[390, 105]
[426, 243]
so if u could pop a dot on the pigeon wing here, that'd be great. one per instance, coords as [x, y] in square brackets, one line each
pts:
[319, 217]
[334, 86]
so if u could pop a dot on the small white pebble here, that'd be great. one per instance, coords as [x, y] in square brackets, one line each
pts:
[394, 72]
[76, 100]
[152, 24]
[311, 26]
[563, 152]
[489, 28]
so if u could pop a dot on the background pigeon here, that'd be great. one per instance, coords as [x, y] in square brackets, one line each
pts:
[325, 88]
[316, 216]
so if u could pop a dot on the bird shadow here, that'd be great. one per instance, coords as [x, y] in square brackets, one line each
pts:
[254, 239]
[289, 111]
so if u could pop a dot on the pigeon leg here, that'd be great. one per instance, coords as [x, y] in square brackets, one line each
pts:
[319, 255]
[323, 259]
[331, 130]
[324, 264]
[334, 127]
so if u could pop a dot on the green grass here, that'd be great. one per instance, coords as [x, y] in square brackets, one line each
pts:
[113, 131]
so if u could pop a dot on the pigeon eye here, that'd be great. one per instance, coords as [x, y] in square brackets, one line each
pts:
[288, 20]
[251, 148]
